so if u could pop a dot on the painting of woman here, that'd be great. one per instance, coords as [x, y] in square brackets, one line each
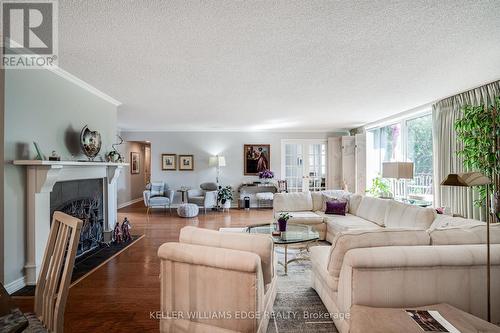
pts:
[257, 158]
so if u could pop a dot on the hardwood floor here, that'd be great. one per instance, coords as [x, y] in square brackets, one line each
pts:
[120, 295]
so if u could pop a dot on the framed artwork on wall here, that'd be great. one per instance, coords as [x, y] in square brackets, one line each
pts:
[257, 158]
[168, 162]
[135, 163]
[186, 162]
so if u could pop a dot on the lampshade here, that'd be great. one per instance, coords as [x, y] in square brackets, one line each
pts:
[466, 179]
[398, 170]
[217, 161]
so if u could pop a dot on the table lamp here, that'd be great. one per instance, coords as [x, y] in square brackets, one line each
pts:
[397, 170]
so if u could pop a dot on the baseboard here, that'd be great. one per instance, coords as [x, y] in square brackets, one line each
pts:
[16, 285]
[128, 203]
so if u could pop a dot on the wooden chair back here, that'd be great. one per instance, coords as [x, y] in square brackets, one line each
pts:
[56, 270]
[282, 186]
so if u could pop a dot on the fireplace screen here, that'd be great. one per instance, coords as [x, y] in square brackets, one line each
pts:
[82, 199]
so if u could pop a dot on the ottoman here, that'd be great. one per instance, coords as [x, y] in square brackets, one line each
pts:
[187, 210]
[264, 197]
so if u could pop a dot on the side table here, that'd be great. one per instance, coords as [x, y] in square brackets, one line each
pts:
[183, 193]
[392, 320]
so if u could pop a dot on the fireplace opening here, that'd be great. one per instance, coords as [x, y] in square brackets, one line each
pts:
[82, 199]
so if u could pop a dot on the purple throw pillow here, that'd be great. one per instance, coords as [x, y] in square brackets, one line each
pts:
[335, 207]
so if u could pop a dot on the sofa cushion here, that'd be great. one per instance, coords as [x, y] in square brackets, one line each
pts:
[319, 261]
[343, 198]
[474, 234]
[339, 223]
[355, 239]
[336, 207]
[446, 221]
[400, 215]
[354, 202]
[159, 201]
[373, 209]
[293, 202]
[317, 200]
[306, 217]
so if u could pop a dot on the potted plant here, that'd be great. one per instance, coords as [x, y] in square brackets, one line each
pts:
[266, 176]
[282, 221]
[380, 188]
[224, 196]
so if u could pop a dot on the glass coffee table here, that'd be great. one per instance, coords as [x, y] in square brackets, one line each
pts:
[296, 235]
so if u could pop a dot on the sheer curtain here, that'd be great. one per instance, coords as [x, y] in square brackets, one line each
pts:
[444, 115]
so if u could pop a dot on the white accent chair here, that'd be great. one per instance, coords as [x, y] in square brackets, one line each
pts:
[158, 195]
[211, 272]
[205, 197]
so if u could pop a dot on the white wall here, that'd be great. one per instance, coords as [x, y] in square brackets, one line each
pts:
[44, 107]
[205, 144]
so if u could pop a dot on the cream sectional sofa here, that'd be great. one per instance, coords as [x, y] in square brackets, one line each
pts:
[388, 254]
[365, 213]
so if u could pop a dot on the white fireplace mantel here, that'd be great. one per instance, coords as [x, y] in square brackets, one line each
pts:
[41, 177]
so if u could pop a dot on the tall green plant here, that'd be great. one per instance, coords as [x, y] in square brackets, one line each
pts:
[479, 129]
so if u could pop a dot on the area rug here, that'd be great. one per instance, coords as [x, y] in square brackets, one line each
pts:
[298, 307]
[87, 263]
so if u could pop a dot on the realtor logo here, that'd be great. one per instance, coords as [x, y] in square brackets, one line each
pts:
[29, 33]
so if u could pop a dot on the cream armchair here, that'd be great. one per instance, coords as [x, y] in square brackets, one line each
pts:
[205, 197]
[217, 282]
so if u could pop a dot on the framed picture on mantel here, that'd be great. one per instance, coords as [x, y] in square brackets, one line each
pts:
[257, 158]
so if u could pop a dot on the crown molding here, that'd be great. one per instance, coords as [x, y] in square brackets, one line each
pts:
[82, 84]
[79, 82]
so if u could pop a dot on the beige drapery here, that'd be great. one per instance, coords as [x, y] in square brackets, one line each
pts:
[444, 115]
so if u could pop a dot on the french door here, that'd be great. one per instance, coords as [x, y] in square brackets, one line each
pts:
[304, 164]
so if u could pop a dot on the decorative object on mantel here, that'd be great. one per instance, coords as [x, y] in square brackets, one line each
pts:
[168, 162]
[257, 158]
[39, 154]
[266, 175]
[186, 162]
[134, 163]
[90, 142]
[54, 156]
[115, 156]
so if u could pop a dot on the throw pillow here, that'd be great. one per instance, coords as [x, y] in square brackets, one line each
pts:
[327, 197]
[336, 207]
[157, 189]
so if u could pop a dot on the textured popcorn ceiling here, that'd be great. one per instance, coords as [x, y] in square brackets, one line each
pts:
[276, 65]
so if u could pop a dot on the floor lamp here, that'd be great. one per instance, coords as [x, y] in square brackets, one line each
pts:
[470, 179]
[217, 162]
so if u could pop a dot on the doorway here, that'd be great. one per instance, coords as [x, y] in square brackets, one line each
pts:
[304, 164]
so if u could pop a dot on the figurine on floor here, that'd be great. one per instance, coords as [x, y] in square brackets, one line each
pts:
[126, 226]
[117, 233]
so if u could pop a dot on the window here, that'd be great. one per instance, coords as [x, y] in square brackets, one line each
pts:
[406, 140]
